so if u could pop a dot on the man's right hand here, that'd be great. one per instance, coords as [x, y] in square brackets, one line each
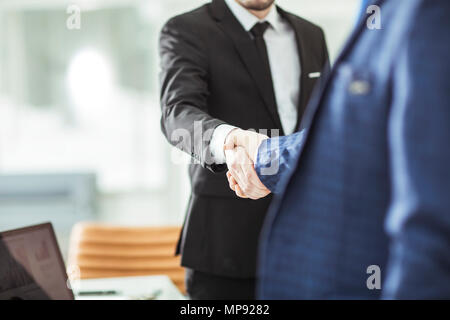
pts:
[249, 140]
[242, 176]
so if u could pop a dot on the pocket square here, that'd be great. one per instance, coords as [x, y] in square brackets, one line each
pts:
[314, 75]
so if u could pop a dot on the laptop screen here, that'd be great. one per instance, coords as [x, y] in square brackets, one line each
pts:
[31, 265]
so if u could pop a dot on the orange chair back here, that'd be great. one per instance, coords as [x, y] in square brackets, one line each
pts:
[103, 251]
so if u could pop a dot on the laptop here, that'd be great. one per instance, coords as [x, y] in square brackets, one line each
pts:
[31, 265]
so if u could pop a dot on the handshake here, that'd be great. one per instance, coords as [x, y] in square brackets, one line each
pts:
[241, 149]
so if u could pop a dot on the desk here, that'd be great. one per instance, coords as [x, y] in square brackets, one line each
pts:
[128, 288]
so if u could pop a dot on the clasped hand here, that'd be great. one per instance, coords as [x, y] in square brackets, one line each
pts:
[240, 149]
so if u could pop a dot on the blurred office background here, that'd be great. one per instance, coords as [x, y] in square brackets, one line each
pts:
[79, 111]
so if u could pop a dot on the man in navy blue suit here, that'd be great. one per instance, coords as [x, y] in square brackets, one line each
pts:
[362, 206]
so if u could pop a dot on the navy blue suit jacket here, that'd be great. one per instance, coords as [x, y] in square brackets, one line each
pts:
[368, 181]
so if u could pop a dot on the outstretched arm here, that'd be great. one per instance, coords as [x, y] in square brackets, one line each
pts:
[185, 119]
[259, 164]
[276, 159]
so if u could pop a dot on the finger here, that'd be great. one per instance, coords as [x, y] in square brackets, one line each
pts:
[230, 141]
[257, 189]
[229, 145]
[246, 177]
[235, 186]
[232, 182]
[234, 159]
[263, 195]
[257, 183]
[239, 178]
[240, 193]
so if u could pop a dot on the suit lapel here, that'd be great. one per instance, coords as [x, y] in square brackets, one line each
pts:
[249, 56]
[313, 109]
[318, 98]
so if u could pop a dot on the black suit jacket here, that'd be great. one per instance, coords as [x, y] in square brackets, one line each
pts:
[211, 75]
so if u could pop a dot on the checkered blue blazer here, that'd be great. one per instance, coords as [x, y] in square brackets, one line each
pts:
[367, 182]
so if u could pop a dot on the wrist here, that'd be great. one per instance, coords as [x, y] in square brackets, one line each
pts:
[256, 151]
[217, 140]
[230, 140]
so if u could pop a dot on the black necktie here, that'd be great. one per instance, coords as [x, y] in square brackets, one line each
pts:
[258, 31]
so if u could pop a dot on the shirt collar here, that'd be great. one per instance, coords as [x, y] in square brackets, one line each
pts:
[248, 20]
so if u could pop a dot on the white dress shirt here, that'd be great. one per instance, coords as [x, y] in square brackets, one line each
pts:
[285, 69]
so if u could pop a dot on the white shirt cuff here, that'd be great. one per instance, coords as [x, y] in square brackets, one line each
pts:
[218, 141]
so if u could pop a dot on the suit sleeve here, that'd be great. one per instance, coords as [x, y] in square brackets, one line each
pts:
[184, 92]
[418, 220]
[276, 159]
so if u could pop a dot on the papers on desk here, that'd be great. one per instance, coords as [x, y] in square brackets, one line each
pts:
[127, 288]
[116, 295]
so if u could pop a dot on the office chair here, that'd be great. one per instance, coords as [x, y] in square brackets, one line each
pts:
[103, 251]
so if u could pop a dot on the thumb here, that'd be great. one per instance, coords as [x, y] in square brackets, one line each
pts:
[230, 141]
[229, 145]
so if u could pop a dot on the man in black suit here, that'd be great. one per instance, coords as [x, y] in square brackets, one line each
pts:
[231, 64]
